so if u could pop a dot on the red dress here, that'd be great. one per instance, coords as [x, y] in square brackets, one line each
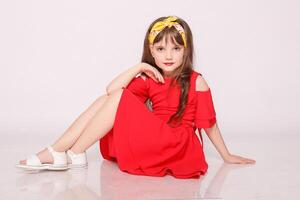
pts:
[142, 143]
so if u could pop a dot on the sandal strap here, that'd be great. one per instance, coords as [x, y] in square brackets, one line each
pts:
[33, 160]
[59, 158]
[77, 159]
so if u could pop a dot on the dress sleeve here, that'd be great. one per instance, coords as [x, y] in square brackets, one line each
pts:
[205, 115]
[139, 87]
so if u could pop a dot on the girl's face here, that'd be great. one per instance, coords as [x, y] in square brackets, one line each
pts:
[167, 55]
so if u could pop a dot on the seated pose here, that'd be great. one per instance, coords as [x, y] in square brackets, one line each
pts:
[143, 141]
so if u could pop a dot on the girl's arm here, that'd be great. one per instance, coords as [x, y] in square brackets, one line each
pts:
[215, 137]
[123, 79]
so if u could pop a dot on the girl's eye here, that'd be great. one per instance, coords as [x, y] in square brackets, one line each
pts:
[161, 48]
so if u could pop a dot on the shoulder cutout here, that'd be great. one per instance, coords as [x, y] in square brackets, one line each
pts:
[143, 77]
[201, 84]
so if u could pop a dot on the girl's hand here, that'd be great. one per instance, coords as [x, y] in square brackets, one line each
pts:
[152, 72]
[234, 159]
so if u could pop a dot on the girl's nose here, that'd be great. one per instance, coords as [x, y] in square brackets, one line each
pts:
[168, 54]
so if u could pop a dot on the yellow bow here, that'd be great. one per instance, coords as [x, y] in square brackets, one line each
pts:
[160, 25]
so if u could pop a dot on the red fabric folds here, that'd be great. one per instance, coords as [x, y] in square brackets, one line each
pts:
[142, 143]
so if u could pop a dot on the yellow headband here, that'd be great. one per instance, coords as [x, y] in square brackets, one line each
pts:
[160, 25]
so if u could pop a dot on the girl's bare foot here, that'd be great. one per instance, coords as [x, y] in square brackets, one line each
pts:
[44, 156]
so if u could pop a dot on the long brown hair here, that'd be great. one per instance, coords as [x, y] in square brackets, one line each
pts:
[181, 75]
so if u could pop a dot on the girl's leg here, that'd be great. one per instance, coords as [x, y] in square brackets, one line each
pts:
[68, 139]
[73, 132]
[101, 124]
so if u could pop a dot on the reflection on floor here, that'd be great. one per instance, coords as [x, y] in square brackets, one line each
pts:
[274, 176]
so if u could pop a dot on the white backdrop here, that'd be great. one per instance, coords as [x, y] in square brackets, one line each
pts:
[57, 57]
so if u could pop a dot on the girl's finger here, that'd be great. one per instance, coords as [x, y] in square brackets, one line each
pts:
[151, 74]
[154, 78]
[247, 161]
[162, 78]
[159, 76]
[244, 160]
[250, 161]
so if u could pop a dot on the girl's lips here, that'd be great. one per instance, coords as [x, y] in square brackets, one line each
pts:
[168, 64]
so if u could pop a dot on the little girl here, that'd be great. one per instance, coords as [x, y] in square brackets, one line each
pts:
[153, 140]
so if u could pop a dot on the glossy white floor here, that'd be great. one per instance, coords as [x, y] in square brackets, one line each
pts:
[274, 176]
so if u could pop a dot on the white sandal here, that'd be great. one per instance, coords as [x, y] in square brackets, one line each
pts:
[76, 160]
[34, 163]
